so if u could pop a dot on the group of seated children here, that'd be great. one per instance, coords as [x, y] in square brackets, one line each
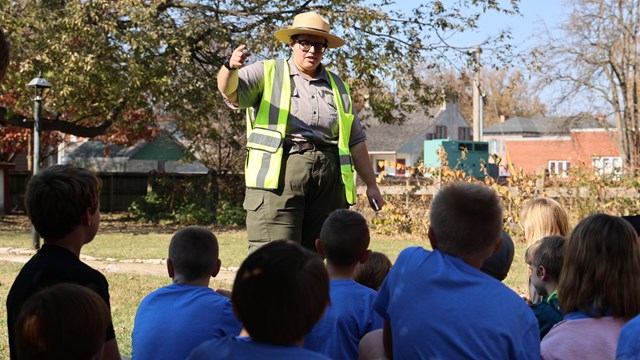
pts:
[445, 303]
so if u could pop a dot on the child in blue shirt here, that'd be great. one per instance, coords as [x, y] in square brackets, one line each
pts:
[280, 292]
[439, 305]
[173, 320]
[344, 240]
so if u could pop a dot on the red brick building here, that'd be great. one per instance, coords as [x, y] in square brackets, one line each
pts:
[555, 144]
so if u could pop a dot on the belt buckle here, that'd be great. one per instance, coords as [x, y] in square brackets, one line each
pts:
[302, 147]
[313, 147]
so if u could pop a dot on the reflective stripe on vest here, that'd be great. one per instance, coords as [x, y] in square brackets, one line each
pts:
[265, 133]
[266, 130]
[345, 119]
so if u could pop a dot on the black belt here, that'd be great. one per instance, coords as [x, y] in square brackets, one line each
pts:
[302, 147]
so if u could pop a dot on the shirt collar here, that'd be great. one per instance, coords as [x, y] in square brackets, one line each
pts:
[322, 75]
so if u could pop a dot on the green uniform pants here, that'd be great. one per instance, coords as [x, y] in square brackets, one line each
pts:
[310, 188]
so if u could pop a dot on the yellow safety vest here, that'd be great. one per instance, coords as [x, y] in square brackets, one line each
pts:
[267, 129]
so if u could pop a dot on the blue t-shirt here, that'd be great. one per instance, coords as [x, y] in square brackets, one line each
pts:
[173, 320]
[349, 317]
[439, 307]
[241, 348]
[629, 341]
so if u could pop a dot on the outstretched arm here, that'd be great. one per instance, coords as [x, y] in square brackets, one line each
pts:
[228, 79]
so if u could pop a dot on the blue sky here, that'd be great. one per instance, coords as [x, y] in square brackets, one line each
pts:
[535, 15]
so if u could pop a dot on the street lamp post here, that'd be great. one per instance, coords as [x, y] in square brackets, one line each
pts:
[39, 86]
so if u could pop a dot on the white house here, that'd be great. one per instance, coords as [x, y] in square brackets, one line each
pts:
[394, 148]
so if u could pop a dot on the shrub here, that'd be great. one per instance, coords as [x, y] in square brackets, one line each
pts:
[230, 214]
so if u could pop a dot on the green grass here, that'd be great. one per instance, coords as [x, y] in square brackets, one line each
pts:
[127, 290]
[8, 272]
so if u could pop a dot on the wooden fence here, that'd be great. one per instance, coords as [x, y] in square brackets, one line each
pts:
[119, 190]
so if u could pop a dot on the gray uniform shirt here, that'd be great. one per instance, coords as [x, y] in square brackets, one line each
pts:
[313, 115]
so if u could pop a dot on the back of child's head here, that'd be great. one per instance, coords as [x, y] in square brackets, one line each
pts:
[57, 197]
[499, 264]
[344, 237]
[372, 272]
[280, 292]
[541, 217]
[547, 252]
[466, 219]
[64, 321]
[601, 268]
[193, 252]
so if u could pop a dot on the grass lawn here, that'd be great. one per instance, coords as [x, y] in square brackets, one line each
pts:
[127, 290]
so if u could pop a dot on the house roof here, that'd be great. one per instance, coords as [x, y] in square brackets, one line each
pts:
[391, 137]
[99, 149]
[542, 125]
[162, 147]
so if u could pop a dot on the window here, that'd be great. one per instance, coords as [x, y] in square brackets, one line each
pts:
[465, 133]
[441, 132]
[379, 166]
[401, 167]
[607, 165]
[428, 136]
[493, 146]
[559, 168]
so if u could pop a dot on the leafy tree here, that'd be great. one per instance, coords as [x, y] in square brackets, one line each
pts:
[119, 67]
[595, 55]
[109, 60]
[505, 93]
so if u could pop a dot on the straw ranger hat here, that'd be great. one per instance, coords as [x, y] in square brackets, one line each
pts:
[309, 23]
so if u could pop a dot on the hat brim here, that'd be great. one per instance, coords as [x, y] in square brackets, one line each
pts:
[284, 35]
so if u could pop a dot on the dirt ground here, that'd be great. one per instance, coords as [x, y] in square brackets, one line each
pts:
[108, 223]
[136, 266]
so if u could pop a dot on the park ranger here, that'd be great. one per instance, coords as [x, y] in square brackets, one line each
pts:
[303, 138]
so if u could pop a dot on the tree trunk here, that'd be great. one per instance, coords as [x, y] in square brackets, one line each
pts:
[213, 190]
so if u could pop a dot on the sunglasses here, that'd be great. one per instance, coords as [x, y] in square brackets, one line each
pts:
[305, 45]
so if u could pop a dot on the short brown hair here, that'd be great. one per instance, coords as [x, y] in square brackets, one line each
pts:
[466, 218]
[64, 321]
[549, 253]
[280, 292]
[601, 268]
[344, 237]
[193, 252]
[372, 272]
[57, 197]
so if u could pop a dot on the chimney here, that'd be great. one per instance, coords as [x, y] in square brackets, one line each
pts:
[504, 117]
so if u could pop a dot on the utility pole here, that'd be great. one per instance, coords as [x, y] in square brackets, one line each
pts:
[477, 99]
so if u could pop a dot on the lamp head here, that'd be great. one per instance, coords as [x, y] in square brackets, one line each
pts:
[39, 85]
